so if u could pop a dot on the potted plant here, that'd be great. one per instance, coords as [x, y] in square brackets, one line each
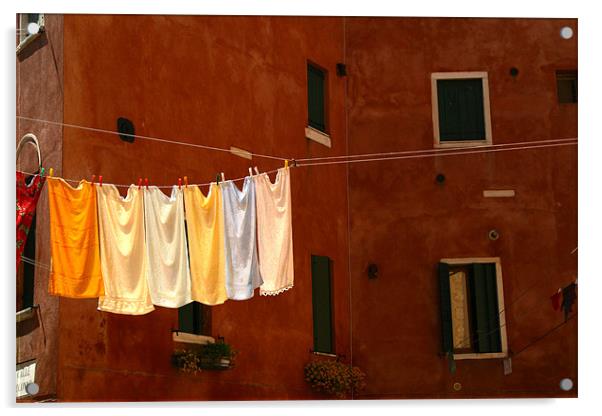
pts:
[334, 378]
[212, 356]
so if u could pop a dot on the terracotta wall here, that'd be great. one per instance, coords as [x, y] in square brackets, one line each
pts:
[39, 80]
[405, 222]
[219, 81]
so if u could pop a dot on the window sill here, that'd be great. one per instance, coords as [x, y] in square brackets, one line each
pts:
[29, 39]
[192, 338]
[317, 136]
[461, 143]
[482, 356]
[27, 313]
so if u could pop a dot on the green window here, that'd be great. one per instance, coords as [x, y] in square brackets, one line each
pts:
[194, 318]
[316, 98]
[470, 313]
[27, 282]
[461, 112]
[322, 303]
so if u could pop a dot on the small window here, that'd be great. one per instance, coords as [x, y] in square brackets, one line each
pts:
[26, 272]
[24, 36]
[316, 98]
[460, 108]
[322, 304]
[195, 318]
[472, 310]
[566, 83]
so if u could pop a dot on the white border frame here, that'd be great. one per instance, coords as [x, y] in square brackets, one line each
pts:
[435, 108]
[501, 307]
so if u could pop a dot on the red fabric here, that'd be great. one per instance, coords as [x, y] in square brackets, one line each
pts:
[27, 199]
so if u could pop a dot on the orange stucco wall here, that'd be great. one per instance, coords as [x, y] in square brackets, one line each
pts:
[405, 222]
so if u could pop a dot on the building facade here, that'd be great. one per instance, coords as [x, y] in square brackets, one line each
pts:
[309, 87]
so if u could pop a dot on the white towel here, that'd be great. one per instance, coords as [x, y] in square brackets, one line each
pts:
[242, 271]
[167, 254]
[274, 232]
[122, 251]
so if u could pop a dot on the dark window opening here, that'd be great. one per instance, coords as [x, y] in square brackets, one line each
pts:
[566, 82]
[26, 272]
[469, 308]
[195, 318]
[321, 283]
[461, 112]
[316, 98]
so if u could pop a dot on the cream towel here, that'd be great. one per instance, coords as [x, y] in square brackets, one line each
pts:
[205, 222]
[274, 232]
[167, 255]
[122, 251]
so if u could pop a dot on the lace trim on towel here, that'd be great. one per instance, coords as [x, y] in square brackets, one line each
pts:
[274, 292]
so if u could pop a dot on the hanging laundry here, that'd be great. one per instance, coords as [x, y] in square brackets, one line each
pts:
[205, 224]
[242, 270]
[27, 195]
[274, 232]
[569, 294]
[27, 199]
[167, 254]
[556, 300]
[74, 245]
[123, 251]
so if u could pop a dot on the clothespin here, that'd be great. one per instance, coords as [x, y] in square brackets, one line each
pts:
[146, 182]
[186, 181]
[139, 183]
[93, 177]
[217, 179]
[256, 170]
[179, 183]
[286, 164]
[250, 172]
[51, 172]
[100, 180]
[223, 177]
[42, 172]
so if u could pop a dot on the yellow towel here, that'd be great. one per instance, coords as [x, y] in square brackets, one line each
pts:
[74, 245]
[123, 251]
[204, 218]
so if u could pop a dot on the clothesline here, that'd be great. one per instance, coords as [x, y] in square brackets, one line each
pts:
[372, 156]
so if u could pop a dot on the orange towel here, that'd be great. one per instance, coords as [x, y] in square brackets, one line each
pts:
[74, 244]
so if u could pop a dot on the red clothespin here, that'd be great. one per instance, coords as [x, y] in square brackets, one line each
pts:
[179, 183]
[146, 182]
[93, 178]
[139, 183]
[186, 181]
[100, 180]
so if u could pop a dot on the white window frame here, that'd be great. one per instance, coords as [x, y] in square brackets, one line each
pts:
[501, 308]
[435, 76]
[24, 37]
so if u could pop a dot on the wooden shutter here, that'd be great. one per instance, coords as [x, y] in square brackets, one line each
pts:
[190, 318]
[322, 306]
[315, 98]
[447, 341]
[461, 113]
[29, 269]
[485, 308]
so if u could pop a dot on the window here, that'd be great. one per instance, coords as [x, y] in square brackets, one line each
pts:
[460, 104]
[322, 304]
[566, 83]
[26, 273]
[472, 308]
[194, 318]
[25, 37]
[316, 105]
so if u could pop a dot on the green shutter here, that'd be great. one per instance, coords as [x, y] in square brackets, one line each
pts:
[315, 98]
[29, 269]
[461, 114]
[485, 308]
[190, 318]
[447, 341]
[321, 300]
